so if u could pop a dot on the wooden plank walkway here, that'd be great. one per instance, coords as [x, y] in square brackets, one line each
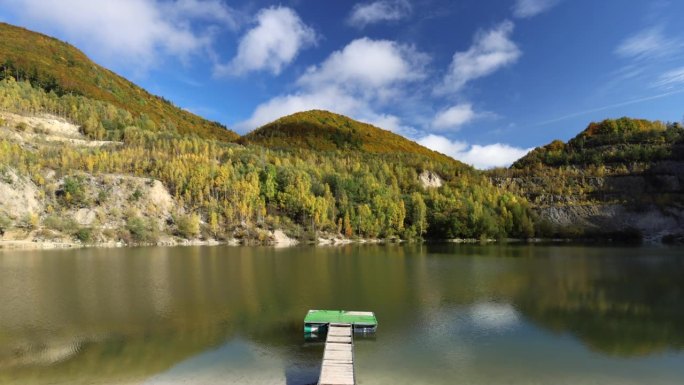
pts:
[338, 357]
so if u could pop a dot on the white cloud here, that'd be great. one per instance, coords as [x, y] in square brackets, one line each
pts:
[274, 42]
[529, 8]
[648, 44]
[369, 66]
[454, 117]
[364, 14]
[364, 74]
[478, 156]
[490, 51]
[134, 32]
[444, 145]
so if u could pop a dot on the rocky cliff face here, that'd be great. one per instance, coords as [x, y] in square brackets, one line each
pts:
[646, 202]
[651, 223]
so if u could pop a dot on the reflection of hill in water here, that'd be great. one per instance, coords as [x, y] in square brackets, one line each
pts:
[112, 359]
[625, 309]
[125, 315]
[622, 303]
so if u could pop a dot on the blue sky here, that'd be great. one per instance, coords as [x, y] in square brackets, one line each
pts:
[482, 81]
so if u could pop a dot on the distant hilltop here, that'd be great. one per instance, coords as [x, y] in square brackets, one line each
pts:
[326, 131]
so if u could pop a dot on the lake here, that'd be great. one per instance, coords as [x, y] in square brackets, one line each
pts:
[448, 314]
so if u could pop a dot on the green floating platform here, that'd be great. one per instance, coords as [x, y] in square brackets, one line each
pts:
[361, 321]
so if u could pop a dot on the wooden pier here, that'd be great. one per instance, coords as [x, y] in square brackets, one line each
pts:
[338, 357]
[340, 325]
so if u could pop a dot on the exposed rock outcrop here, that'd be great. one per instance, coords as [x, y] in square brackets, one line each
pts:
[648, 201]
[430, 179]
[280, 239]
[18, 195]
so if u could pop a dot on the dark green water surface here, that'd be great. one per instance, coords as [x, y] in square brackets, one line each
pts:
[448, 314]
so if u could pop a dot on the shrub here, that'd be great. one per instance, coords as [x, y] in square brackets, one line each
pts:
[102, 196]
[142, 231]
[40, 129]
[29, 221]
[21, 127]
[73, 191]
[188, 226]
[85, 235]
[109, 234]
[137, 194]
[5, 223]
[59, 223]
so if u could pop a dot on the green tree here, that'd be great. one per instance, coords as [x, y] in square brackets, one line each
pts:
[418, 216]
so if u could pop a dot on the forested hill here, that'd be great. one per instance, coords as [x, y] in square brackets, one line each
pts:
[326, 131]
[617, 177]
[58, 67]
[612, 142]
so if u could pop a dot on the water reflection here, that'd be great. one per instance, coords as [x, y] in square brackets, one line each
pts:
[508, 314]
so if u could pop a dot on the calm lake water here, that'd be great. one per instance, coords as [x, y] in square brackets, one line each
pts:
[448, 314]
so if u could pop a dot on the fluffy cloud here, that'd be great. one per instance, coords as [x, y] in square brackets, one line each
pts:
[444, 145]
[454, 117]
[351, 81]
[368, 66]
[274, 42]
[364, 14]
[490, 51]
[529, 8]
[128, 31]
[482, 157]
[648, 44]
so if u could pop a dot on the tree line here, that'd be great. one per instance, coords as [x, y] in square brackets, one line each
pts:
[230, 186]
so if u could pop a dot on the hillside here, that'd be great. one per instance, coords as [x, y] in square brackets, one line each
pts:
[53, 65]
[86, 157]
[612, 142]
[619, 177]
[60, 186]
[326, 131]
[76, 170]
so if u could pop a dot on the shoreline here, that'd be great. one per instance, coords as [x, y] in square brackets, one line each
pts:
[278, 242]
